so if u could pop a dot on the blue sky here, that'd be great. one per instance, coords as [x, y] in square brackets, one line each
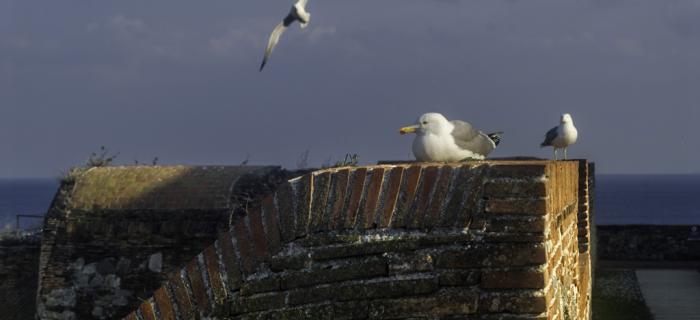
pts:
[178, 79]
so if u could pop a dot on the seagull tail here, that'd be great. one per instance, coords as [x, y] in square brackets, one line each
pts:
[262, 65]
[496, 137]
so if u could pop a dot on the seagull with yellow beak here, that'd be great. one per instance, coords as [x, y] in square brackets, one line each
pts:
[439, 139]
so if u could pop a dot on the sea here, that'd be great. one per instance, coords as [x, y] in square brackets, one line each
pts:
[25, 197]
[647, 199]
[619, 199]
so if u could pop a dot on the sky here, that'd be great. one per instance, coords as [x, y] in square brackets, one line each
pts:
[179, 80]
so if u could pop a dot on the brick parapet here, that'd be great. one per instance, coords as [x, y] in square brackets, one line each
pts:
[484, 239]
[112, 234]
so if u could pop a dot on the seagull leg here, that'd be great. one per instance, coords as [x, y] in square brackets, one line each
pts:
[555, 153]
[565, 153]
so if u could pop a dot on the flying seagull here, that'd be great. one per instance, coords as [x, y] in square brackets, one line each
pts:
[439, 139]
[561, 136]
[298, 13]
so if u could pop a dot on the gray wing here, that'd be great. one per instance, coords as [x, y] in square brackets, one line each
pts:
[549, 137]
[466, 137]
[275, 36]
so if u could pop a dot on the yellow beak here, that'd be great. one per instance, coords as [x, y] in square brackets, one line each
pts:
[409, 129]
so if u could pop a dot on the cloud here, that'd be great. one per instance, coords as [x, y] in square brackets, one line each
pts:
[232, 40]
[15, 42]
[321, 32]
[117, 23]
[134, 39]
[684, 19]
[630, 46]
[121, 23]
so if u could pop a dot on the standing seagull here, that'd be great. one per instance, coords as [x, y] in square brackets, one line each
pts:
[298, 13]
[438, 139]
[561, 136]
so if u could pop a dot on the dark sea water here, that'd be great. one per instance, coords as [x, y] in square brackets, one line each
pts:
[620, 199]
[25, 196]
[647, 199]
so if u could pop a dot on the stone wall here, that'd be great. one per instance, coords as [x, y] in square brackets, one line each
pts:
[487, 240]
[113, 234]
[19, 260]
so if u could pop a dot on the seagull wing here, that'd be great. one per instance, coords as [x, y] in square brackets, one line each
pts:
[276, 34]
[468, 138]
[549, 137]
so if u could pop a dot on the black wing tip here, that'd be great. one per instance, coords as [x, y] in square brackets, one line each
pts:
[262, 66]
[496, 137]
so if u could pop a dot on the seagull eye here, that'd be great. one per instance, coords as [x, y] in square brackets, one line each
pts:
[425, 122]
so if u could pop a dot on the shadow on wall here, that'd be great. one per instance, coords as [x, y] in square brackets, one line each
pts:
[113, 233]
[486, 240]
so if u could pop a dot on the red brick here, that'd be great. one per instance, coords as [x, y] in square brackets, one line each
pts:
[286, 212]
[372, 197]
[493, 255]
[211, 261]
[517, 206]
[257, 233]
[555, 256]
[182, 298]
[450, 304]
[165, 306]
[264, 301]
[356, 187]
[390, 196]
[512, 279]
[459, 278]
[407, 192]
[517, 224]
[146, 310]
[438, 197]
[230, 260]
[515, 171]
[505, 189]
[515, 302]
[457, 202]
[358, 269]
[427, 183]
[245, 248]
[302, 201]
[197, 284]
[272, 229]
[131, 316]
[319, 199]
[339, 190]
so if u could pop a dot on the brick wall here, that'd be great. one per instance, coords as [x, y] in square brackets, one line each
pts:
[112, 234]
[487, 240]
[586, 236]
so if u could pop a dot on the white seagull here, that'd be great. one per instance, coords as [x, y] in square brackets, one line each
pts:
[561, 136]
[439, 139]
[298, 13]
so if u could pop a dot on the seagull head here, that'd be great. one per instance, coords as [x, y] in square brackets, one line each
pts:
[432, 122]
[566, 118]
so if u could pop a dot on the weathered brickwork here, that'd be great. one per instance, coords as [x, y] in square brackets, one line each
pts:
[586, 236]
[113, 234]
[477, 240]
